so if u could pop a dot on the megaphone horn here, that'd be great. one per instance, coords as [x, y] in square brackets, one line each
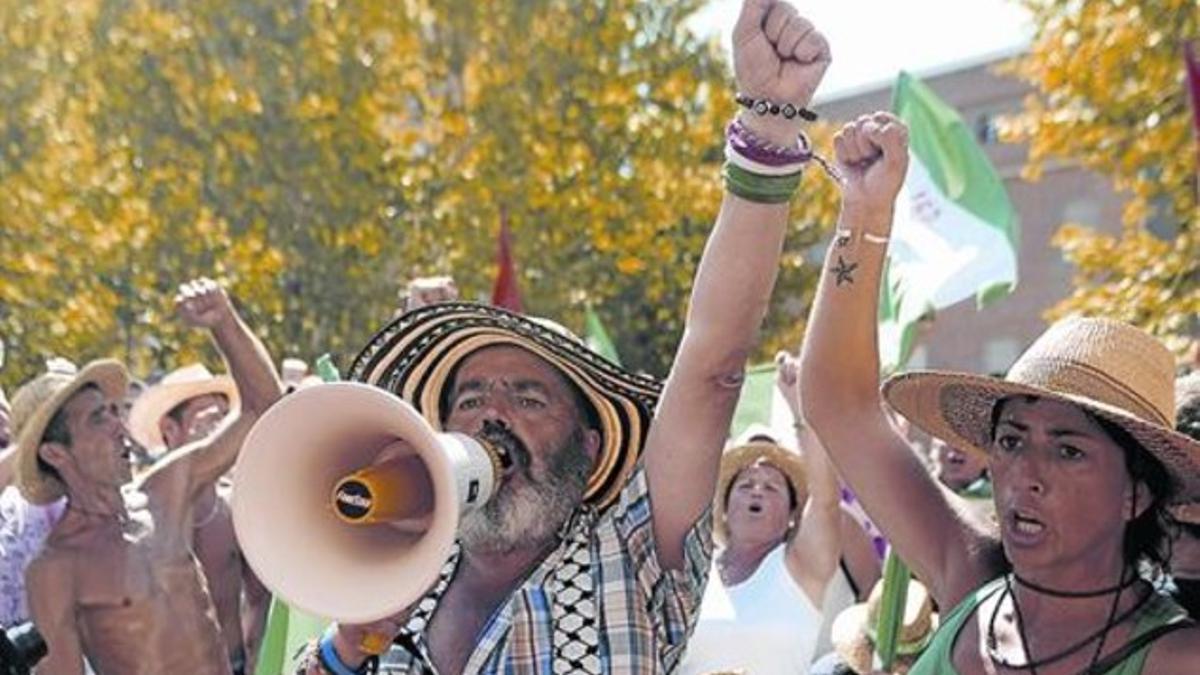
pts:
[346, 502]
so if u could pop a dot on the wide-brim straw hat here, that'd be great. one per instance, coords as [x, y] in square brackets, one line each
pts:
[35, 404]
[757, 444]
[853, 630]
[415, 355]
[1108, 368]
[175, 388]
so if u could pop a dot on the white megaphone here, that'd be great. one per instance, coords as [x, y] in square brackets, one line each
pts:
[346, 502]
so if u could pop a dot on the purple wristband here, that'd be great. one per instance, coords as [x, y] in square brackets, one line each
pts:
[745, 143]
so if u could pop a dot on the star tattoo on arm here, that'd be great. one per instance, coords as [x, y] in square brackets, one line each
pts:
[844, 271]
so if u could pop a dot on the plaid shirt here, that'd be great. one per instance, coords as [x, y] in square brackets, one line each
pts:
[645, 613]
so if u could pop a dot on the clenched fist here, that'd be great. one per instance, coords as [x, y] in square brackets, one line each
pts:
[202, 303]
[778, 55]
[872, 156]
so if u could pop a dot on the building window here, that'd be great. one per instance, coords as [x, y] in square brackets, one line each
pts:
[986, 130]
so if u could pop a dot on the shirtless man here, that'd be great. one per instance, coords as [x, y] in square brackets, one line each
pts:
[186, 407]
[117, 582]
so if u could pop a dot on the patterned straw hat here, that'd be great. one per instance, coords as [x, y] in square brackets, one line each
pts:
[415, 355]
[35, 404]
[1108, 368]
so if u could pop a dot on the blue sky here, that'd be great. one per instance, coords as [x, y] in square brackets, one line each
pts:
[872, 40]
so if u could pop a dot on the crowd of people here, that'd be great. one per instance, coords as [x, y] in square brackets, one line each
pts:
[1050, 516]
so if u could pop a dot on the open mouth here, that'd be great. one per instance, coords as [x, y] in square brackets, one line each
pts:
[755, 508]
[1024, 523]
[511, 451]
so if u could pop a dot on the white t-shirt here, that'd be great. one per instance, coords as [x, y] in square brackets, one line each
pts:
[23, 531]
[765, 625]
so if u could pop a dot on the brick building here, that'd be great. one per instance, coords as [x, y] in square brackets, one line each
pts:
[990, 341]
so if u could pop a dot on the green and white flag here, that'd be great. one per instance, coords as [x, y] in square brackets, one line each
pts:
[956, 231]
[597, 338]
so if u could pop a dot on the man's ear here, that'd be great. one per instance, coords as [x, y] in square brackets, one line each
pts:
[54, 454]
[591, 444]
[171, 430]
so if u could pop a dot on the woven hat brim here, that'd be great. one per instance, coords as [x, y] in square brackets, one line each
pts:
[739, 457]
[154, 403]
[35, 486]
[957, 408]
[415, 355]
[849, 634]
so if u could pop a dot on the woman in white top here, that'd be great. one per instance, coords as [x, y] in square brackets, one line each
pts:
[776, 521]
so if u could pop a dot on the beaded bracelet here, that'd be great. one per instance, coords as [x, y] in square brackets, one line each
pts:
[763, 106]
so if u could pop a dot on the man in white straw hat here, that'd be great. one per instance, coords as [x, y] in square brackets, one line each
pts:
[1079, 437]
[572, 567]
[187, 406]
[117, 583]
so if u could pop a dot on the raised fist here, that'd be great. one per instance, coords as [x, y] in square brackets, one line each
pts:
[203, 303]
[872, 154]
[787, 380]
[777, 55]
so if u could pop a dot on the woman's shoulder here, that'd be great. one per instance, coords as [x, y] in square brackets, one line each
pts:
[1175, 653]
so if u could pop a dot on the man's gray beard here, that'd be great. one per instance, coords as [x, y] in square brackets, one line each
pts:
[532, 512]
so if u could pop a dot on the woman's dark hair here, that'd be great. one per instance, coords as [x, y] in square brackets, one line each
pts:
[1148, 536]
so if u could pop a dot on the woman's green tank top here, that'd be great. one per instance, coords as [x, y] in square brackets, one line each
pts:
[1159, 610]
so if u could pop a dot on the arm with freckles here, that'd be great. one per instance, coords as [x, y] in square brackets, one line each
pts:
[841, 360]
[777, 55]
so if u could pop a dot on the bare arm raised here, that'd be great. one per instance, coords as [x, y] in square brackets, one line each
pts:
[204, 304]
[780, 56]
[814, 551]
[841, 360]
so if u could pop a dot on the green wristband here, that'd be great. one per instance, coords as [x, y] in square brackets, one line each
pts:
[759, 188]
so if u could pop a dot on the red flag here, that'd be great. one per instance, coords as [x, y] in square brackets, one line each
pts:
[505, 293]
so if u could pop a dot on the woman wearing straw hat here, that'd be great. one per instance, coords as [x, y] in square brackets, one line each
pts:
[1080, 447]
[776, 520]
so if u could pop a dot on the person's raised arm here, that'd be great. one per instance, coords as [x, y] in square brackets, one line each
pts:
[841, 361]
[814, 550]
[203, 303]
[779, 56]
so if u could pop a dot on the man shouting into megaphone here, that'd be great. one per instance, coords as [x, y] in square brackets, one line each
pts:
[593, 553]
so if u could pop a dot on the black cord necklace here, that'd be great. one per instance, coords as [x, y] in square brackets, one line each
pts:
[1031, 664]
[1054, 593]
